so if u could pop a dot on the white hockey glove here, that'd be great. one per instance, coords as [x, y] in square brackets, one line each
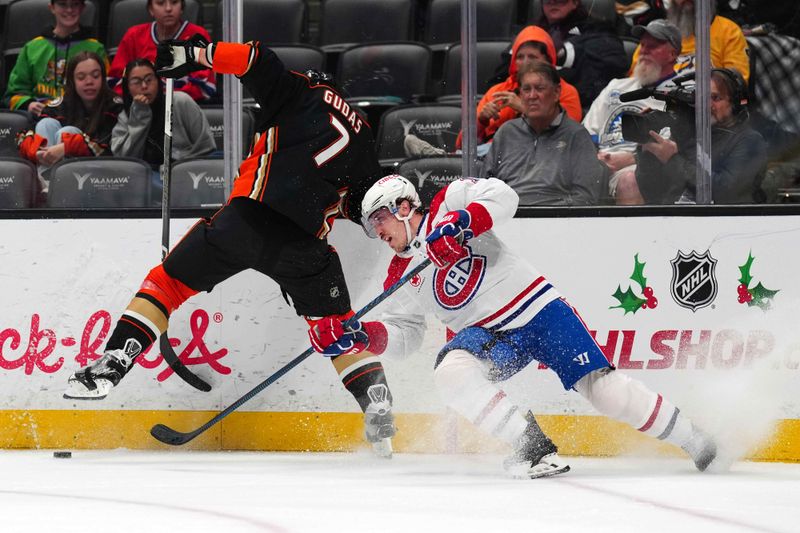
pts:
[176, 59]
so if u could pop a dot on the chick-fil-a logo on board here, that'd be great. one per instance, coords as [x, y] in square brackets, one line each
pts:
[40, 349]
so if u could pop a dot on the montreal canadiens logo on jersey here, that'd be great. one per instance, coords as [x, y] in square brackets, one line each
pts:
[456, 285]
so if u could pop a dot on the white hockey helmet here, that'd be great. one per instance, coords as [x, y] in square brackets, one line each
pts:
[386, 193]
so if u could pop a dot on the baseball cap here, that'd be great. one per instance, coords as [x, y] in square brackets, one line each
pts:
[661, 30]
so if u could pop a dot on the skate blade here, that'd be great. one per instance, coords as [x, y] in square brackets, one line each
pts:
[553, 470]
[78, 391]
[544, 468]
[383, 448]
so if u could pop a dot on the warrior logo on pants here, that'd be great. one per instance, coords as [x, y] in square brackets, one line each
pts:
[694, 284]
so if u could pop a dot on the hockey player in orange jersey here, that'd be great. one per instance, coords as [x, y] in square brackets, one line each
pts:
[312, 158]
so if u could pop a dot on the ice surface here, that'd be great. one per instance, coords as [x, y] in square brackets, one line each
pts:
[127, 491]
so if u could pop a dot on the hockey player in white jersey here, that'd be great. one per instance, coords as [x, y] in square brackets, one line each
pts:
[505, 315]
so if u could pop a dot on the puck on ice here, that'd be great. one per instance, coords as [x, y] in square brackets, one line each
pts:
[62, 455]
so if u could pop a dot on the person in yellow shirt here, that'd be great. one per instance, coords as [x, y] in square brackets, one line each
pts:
[728, 45]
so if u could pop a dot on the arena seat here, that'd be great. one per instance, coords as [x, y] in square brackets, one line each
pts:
[271, 21]
[198, 182]
[488, 57]
[300, 57]
[495, 19]
[214, 115]
[601, 10]
[434, 123]
[345, 22]
[25, 19]
[430, 174]
[126, 13]
[99, 182]
[11, 123]
[17, 183]
[388, 71]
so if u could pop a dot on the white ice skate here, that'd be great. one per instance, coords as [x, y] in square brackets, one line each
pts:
[379, 421]
[549, 465]
[96, 380]
[701, 448]
[535, 455]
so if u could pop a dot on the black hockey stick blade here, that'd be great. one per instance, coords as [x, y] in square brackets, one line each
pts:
[172, 437]
[167, 435]
[178, 367]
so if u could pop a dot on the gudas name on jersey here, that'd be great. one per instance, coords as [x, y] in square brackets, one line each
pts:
[341, 106]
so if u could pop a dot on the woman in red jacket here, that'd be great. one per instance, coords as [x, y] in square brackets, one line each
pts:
[140, 42]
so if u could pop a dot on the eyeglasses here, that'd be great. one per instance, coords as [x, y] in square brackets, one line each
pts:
[64, 4]
[137, 82]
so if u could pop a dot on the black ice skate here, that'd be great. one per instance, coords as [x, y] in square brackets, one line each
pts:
[536, 455]
[96, 380]
[701, 448]
[379, 421]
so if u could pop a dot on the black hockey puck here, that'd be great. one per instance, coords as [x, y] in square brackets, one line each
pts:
[62, 455]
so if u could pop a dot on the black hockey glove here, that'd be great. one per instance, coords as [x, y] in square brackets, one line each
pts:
[176, 59]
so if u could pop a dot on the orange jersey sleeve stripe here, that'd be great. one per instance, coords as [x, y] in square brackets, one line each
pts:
[233, 58]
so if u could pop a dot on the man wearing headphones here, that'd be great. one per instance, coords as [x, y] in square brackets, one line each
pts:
[666, 173]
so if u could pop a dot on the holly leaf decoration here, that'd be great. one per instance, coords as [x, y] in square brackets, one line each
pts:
[762, 297]
[628, 301]
[638, 272]
[745, 271]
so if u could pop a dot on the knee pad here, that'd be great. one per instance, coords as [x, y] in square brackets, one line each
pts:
[161, 288]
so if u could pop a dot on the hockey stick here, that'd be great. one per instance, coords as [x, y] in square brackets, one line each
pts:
[167, 352]
[170, 436]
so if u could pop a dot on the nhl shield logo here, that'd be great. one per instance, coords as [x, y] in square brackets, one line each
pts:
[694, 284]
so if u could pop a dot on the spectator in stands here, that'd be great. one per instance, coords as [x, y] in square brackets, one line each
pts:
[141, 40]
[728, 45]
[78, 124]
[38, 74]
[590, 54]
[501, 102]
[666, 173]
[638, 13]
[544, 155]
[140, 128]
[660, 44]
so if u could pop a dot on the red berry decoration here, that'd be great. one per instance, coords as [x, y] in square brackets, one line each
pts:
[648, 292]
[742, 290]
[644, 305]
[652, 303]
